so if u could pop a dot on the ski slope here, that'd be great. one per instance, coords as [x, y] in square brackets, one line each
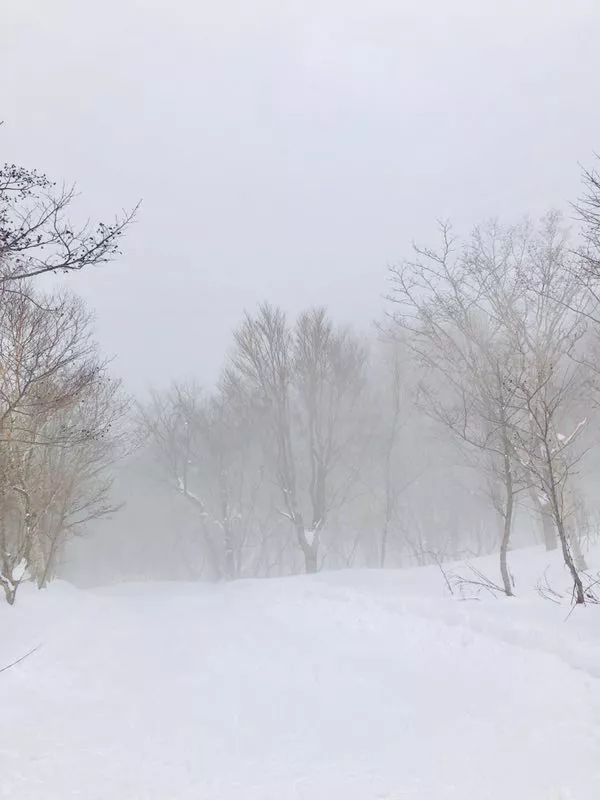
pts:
[344, 686]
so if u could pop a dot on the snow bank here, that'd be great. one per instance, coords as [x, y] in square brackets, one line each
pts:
[350, 686]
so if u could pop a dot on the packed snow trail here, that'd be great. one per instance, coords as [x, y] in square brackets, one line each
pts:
[335, 687]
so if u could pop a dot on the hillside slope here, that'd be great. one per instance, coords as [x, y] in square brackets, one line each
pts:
[347, 686]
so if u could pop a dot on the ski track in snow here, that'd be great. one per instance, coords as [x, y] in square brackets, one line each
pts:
[337, 687]
[511, 628]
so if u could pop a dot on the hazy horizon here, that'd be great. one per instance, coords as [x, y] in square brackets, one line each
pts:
[290, 154]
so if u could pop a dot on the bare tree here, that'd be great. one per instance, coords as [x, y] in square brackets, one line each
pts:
[451, 303]
[70, 482]
[209, 452]
[496, 325]
[587, 209]
[546, 329]
[395, 459]
[57, 411]
[307, 381]
[551, 458]
[390, 483]
[36, 235]
[168, 423]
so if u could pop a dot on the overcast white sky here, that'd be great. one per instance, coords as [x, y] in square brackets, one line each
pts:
[289, 151]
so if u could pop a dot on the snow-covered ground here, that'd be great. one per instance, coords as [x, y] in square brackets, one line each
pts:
[344, 686]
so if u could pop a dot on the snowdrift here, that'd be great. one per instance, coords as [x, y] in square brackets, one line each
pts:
[342, 686]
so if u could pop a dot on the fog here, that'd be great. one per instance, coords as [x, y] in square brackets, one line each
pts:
[288, 152]
[299, 400]
[292, 155]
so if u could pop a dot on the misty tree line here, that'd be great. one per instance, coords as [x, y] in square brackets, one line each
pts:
[465, 425]
[320, 448]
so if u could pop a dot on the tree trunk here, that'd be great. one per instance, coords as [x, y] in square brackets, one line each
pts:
[562, 533]
[545, 517]
[309, 544]
[578, 556]
[10, 590]
[230, 569]
[214, 557]
[548, 531]
[506, 579]
[310, 560]
[384, 537]
[577, 584]
[508, 518]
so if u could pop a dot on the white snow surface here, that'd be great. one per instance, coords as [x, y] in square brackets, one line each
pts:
[364, 685]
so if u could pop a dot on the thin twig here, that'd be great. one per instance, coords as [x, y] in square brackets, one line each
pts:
[18, 661]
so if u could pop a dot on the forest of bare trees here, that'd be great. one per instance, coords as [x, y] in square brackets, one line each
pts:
[464, 424]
